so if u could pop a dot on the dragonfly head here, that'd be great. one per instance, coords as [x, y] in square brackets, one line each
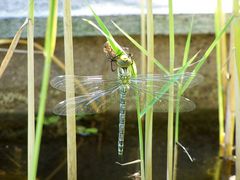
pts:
[124, 61]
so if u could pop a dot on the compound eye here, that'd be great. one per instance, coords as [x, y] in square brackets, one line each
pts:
[124, 57]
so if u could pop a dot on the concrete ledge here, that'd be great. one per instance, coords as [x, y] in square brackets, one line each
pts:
[203, 24]
[124, 13]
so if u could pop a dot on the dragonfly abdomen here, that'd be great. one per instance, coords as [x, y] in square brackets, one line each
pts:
[122, 118]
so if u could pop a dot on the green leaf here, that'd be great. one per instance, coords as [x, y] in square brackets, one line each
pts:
[188, 43]
[115, 46]
[208, 52]
[82, 130]
[143, 50]
[51, 120]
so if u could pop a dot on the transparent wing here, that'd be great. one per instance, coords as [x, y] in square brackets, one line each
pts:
[86, 84]
[153, 86]
[92, 103]
[144, 82]
[161, 102]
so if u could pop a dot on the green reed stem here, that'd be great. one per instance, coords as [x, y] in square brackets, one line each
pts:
[49, 50]
[143, 37]
[170, 138]
[31, 98]
[208, 52]
[140, 129]
[143, 71]
[140, 134]
[236, 28]
[218, 15]
[143, 50]
[176, 131]
[69, 65]
[149, 113]
[236, 35]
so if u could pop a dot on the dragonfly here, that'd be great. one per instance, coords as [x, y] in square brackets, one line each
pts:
[96, 94]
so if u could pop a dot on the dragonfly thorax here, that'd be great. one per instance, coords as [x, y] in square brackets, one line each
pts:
[124, 75]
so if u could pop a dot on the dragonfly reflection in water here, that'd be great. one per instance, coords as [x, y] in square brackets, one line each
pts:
[99, 93]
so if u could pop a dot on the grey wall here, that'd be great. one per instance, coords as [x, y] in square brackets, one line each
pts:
[90, 60]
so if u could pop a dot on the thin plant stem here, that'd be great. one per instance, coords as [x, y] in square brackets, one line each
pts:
[236, 35]
[143, 71]
[140, 128]
[69, 65]
[176, 131]
[149, 113]
[218, 15]
[12, 47]
[170, 130]
[237, 135]
[31, 98]
[50, 42]
[236, 29]
[143, 36]
[208, 52]
[39, 47]
[140, 134]
[231, 108]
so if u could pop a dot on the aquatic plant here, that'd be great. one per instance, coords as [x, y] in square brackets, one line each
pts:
[31, 97]
[70, 93]
[50, 40]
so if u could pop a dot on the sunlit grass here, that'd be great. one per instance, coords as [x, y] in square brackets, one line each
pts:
[50, 41]
[31, 87]
[176, 131]
[13, 44]
[170, 130]
[149, 112]
[219, 59]
[236, 42]
[143, 36]
[70, 93]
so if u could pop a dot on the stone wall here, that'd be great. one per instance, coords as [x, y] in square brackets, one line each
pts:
[90, 60]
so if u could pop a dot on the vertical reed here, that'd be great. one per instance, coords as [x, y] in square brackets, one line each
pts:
[50, 41]
[170, 137]
[230, 112]
[236, 35]
[219, 59]
[31, 98]
[179, 93]
[149, 114]
[143, 71]
[143, 36]
[69, 69]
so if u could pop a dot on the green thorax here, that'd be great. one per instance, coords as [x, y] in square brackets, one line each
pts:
[124, 75]
[124, 61]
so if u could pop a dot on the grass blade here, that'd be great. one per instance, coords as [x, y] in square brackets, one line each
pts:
[237, 135]
[143, 37]
[176, 131]
[208, 52]
[39, 47]
[31, 97]
[236, 35]
[50, 42]
[149, 113]
[115, 46]
[69, 65]
[166, 86]
[143, 50]
[170, 137]
[218, 15]
[11, 48]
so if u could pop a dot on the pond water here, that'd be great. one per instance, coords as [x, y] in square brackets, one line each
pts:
[97, 154]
